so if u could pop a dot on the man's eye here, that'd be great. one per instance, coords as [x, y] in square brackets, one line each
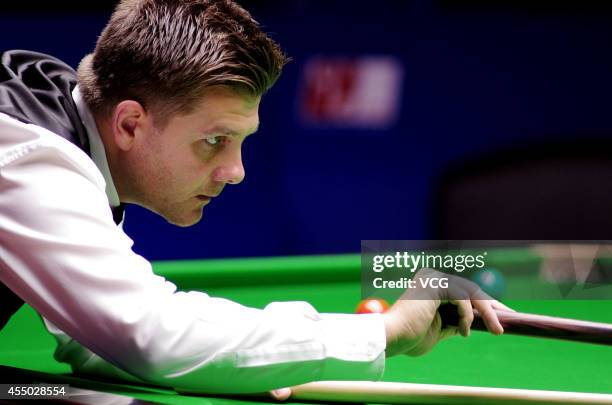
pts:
[213, 140]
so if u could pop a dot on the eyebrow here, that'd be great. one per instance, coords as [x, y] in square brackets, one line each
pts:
[227, 131]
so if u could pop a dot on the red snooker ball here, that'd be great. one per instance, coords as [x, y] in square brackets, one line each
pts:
[372, 306]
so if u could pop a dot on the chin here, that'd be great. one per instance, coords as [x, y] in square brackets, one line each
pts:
[185, 220]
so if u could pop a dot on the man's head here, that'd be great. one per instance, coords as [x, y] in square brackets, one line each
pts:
[167, 80]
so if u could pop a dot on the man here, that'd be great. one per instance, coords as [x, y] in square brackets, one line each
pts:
[157, 117]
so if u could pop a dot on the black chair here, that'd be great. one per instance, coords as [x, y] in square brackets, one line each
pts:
[557, 190]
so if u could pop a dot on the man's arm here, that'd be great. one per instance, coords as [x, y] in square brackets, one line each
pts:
[83, 360]
[62, 253]
[209, 377]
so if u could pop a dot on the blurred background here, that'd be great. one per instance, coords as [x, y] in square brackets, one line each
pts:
[397, 119]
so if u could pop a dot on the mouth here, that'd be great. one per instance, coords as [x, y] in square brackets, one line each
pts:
[206, 197]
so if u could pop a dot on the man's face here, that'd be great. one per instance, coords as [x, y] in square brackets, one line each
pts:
[182, 167]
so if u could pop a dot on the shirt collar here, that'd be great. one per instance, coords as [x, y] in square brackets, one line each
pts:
[98, 154]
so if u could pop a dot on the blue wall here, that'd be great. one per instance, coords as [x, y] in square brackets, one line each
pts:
[477, 79]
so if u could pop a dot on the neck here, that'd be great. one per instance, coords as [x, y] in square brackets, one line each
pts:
[113, 154]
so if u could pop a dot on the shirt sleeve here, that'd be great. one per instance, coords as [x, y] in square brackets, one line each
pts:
[61, 252]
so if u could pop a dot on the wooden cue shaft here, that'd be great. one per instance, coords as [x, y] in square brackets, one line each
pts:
[517, 323]
[408, 393]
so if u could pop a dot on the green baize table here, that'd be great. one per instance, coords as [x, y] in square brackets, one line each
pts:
[331, 284]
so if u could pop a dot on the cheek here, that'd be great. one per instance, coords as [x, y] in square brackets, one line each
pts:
[187, 174]
[200, 164]
[159, 173]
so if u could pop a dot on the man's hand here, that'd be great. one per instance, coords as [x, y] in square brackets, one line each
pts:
[413, 324]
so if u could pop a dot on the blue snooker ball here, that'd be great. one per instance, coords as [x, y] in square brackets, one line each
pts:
[491, 281]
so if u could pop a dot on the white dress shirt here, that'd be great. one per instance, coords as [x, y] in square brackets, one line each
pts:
[61, 252]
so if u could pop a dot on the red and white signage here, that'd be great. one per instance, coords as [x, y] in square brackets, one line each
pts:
[358, 92]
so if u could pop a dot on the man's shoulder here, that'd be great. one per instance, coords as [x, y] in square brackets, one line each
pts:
[19, 139]
[36, 88]
[16, 58]
[35, 71]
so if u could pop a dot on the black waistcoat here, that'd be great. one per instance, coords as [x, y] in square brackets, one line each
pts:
[37, 89]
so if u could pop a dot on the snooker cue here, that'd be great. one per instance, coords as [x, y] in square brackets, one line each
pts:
[408, 393]
[517, 323]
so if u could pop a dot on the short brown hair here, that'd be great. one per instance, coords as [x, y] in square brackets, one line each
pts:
[164, 53]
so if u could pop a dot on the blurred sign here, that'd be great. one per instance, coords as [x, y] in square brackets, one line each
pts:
[360, 92]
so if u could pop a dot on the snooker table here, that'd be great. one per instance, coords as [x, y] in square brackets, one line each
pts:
[332, 284]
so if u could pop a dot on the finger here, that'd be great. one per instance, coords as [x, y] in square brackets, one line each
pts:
[501, 307]
[480, 295]
[488, 315]
[466, 316]
[281, 394]
[446, 331]
[449, 331]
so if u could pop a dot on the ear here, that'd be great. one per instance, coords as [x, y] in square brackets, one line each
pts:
[129, 120]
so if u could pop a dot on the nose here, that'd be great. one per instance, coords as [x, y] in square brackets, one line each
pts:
[231, 170]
